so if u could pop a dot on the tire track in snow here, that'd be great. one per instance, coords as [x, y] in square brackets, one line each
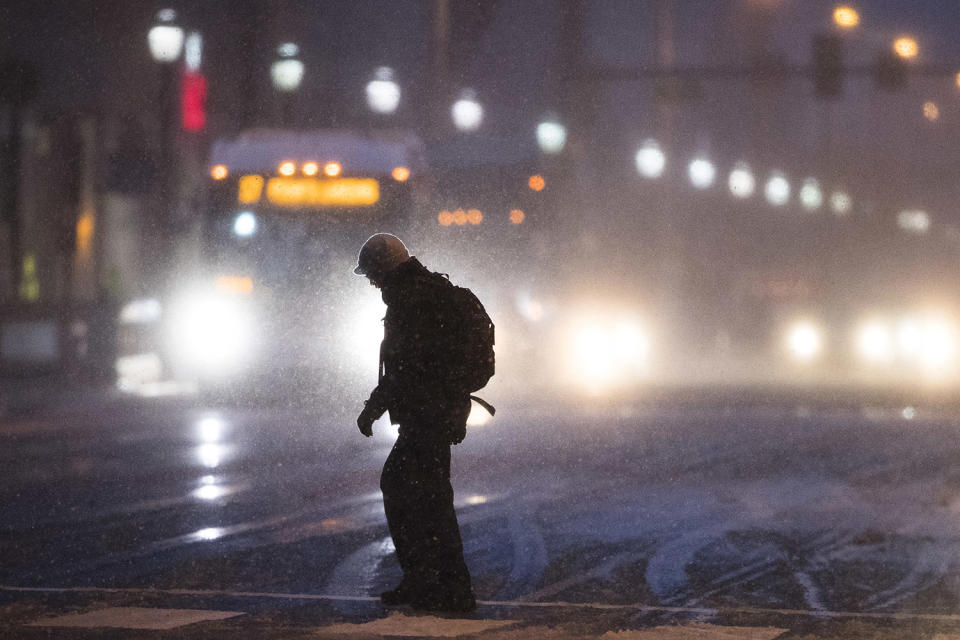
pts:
[357, 574]
[529, 556]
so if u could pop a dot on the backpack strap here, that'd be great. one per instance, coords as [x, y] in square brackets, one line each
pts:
[486, 405]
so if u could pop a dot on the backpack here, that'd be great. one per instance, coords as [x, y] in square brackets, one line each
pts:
[471, 339]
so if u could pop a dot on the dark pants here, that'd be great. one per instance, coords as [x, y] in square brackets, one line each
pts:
[418, 500]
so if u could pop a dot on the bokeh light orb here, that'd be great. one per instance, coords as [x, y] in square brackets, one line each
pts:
[741, 182]
[702, 173]
[551, 136]
[777, 189]
[651, 160]
[383, 92]
[467, 113]
[811, 196]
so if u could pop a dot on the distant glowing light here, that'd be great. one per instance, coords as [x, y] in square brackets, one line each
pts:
[517, 216]
[364, 330]
[529, 307]
[804, 341]
[210, 429]
[288, 50]
[165, 39]
[650, 160]
[401, 174]
[777, 189]
[811, 197]
[210, 533]
[287, 169]
[931, 111]
[846, 17]
[939, 344]
[193, 52]
[467, 112]
[909, 413]
[957, 79]
[536, 183]
[874, 343]
[332, 169]
[245, 224]
[741, 181]
[551, 136]
[478, 416]
[459, 217]
[606, 354]
[311, 169]
[383, 92]
[914, 221]
[841, 203]
[445, 218]
[287, 72]
[476, 499]
[210, 492]
[219, 172]
[474, 216]
[906, 47]
[211, 454]
[702, 173]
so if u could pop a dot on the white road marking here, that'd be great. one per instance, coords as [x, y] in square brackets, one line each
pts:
[399, 624]
[135, 618]
[704, 611]
[696, 632]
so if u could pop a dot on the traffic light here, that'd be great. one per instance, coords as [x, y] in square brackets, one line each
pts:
[891, 71]
[828, 65]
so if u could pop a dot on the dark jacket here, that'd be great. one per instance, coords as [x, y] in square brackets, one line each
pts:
[415, 381]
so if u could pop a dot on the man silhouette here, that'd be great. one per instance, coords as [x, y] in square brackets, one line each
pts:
[431, 413]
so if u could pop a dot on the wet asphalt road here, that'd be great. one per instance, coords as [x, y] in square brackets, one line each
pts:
[854, 510]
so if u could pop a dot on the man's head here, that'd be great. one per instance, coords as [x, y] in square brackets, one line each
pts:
[379, 255]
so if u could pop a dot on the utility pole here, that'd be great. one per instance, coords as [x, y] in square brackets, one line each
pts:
[576, 173]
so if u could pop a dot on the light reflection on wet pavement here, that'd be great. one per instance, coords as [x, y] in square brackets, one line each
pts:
[747, 508]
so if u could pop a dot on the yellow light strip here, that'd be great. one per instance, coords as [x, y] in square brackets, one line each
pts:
[342, 192]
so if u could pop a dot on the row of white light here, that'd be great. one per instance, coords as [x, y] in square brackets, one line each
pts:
[651, 163]
[929, 340]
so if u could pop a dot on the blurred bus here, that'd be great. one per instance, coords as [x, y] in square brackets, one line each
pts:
[274, 297]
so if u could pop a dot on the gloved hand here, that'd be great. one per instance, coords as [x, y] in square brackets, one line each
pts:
[365, 421]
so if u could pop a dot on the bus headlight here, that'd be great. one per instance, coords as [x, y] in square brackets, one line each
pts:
[211, 332]
[605, 354]
[804, 341]
[874, 343]
[931, 341]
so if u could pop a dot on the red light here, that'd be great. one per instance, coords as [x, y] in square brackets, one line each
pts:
[193, 102]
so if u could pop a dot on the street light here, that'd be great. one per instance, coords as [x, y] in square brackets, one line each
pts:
[650, 160]
[287, 73]
[702, 173]
[777, 189]
[383, 92]
[467, 112]
[841, 203]
[846, 17]
[906, 47]
[741, 181]
[551, 135]
[811, 197]
[165, 40]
